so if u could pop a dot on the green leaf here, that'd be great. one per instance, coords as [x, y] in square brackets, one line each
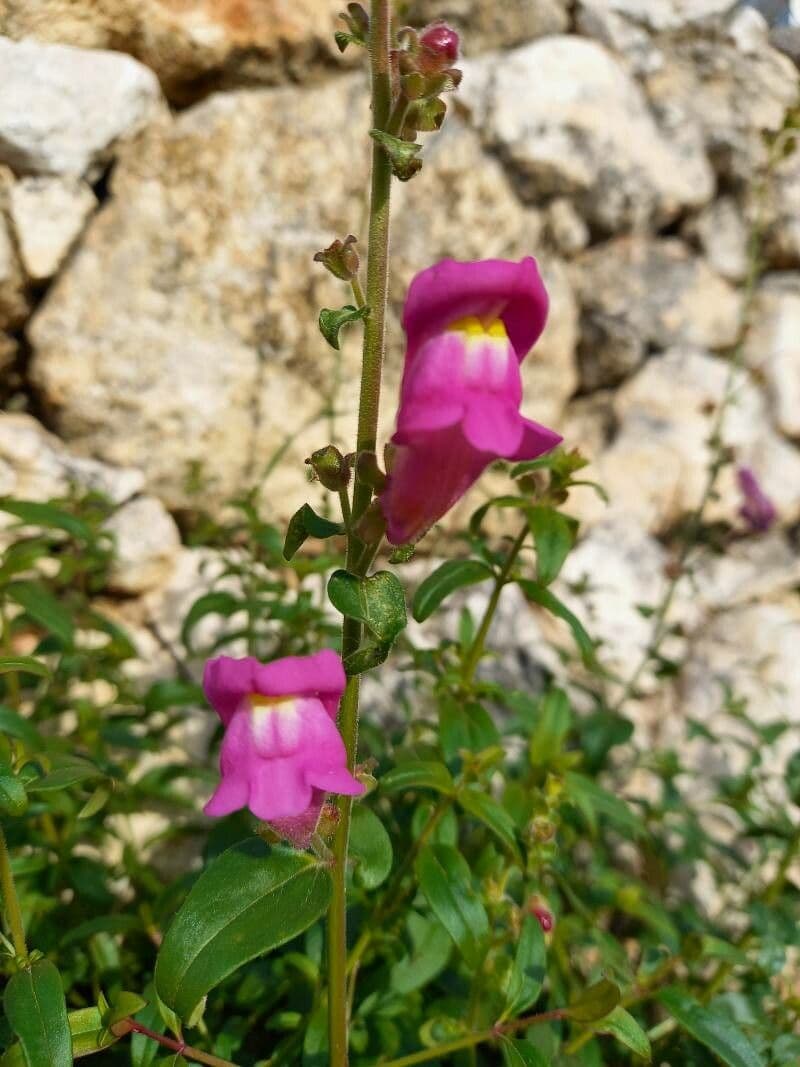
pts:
[377, 601]
[248, 901]
[45, 515]
[123, 1006]
[42, 606]
[550, 732]
[371, 848]
[86, 1030]
[592, 800]
[13, 798]
[306, 523]
[367, 656]
[527, 976]
[418, 774]
[622, 1025]
[477, 802]
[331, 321]
[455, 574]
[446, 880]
[23, 664]
[37, 1013]
[554, 535]
[536, 592]
[431, 948]
[716, 1031]
[216, 603]
[111, 924]
[67, 771]
[403, 155]
[477, 517]
[15, 725]
[596, 1002]
[465, 726]
[517, 1053]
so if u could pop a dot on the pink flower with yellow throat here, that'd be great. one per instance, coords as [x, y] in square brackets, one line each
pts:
[468, 327]
[282, 750]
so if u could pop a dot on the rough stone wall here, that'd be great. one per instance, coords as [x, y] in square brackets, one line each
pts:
[168, 168]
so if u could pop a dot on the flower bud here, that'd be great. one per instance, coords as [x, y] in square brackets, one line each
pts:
[438, 47]
[330, 467]
[371, 527]
[340, 258]
[543, 914]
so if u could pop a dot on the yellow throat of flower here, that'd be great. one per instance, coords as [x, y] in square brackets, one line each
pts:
[475, 327]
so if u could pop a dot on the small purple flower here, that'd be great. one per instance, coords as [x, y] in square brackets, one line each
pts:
[757, 509]
[468, 328]
[282, 750]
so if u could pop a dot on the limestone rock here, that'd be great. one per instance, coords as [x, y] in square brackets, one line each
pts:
[659, 16]
[722, 232]
[35, 465]
[773, 346]
[781, 206]
[182, 337]
[571, 121]
[485, 26]
[732, 95]
[636, 293]
[192, 45]
[48, 214]
[146, 541]
[8, 351]
[63, 109]
[655, 470]
[750, 569]
[14, 304]
[567, 230]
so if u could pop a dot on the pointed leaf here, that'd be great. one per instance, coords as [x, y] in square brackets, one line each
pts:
[622, 1025]
[517, 1053]
[717, 1031]
[553, 535]
[452, 575]
[370, 847]
[418, 774]
[446, 880]
[596, 1002]
[37, 1013]
[527, 976]
[403, 155]
[46, 515]
[42, 606]
[431, 948]
[306, 523]
[483, 807]
[377, 601]
[23, 664]
[248, 901]
[537, 592]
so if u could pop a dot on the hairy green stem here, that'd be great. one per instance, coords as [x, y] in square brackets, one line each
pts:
[10, 899]
[477, 1038]
[473, 656]
[372, 363]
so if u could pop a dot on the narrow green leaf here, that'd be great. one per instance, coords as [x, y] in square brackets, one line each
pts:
[306, 523]
[331, 321]
[418, 774]
[477, 517]
[46, 515]
[527, 976]
[717, 1031]
[549, 735]
[452, 575]
[596, 1002]
[23, 664]
[553, 535]
[248, 901]
[67, 771]
[477, 802]
[536, 592]
[622, 1025]
[367, 656]
[86, 1030]
[37, 1013]
[216, 603]
[123, 1006]
[431, 948]
[465, 726]
[42, 606]
[371, 848]
[518, 1053]
[592, 800]
[445, 879]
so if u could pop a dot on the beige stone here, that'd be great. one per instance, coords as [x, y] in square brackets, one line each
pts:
[14, 302]
[146, 542]
[48, 215]
[192, 45]
[773, 346]
[485, 26]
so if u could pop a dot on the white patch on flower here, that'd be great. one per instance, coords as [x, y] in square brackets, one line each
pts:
[486, 352]
[276, 724]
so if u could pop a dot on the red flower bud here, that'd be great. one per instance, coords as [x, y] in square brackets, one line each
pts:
[544, 915]
[441, 42]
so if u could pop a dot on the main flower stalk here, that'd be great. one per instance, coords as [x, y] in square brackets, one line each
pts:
[372, 364]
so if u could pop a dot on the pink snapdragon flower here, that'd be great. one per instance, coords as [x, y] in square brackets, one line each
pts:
[468, 327]
[282, 750]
